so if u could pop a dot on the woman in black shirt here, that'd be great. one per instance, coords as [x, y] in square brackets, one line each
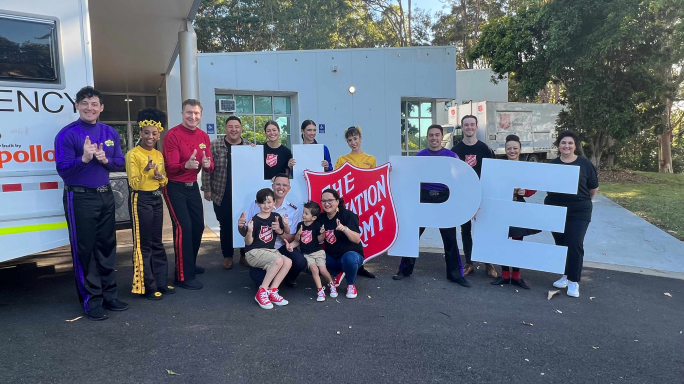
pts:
[277, 157]
[343, 248]
[579, 208]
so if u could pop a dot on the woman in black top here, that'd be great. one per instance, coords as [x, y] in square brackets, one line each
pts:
[579, 210]
[513, 147]
[277, 157]
[343, 248]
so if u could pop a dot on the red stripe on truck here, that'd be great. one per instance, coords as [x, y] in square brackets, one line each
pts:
[11, 187]
[49, 185]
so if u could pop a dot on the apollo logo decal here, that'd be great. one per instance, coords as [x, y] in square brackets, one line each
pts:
[35, 154]
[367, 193]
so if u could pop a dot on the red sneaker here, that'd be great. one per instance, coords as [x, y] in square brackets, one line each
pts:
[262, 298]
[275, 297]
[321, 294]
[351, 292]
[338, 279]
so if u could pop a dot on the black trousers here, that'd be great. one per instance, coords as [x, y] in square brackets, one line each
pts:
[187, 216]
[467, 238]
[150, 267]
[298, 265]
[573, 238]
[454, 269]
[90, 219]
[224, 215]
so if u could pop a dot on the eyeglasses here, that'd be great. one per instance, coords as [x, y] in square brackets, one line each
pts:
[328, 201]
[282, 185]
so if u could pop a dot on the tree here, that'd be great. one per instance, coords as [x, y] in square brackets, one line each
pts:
[600, 51]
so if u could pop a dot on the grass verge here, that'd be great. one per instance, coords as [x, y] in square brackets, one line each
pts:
[656, 197]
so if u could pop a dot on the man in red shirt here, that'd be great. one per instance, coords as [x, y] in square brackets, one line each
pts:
[186, 151]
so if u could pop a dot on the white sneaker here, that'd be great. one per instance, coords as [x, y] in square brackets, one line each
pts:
[333, 290]
[562, 282]
[573, 289]
[321, 294]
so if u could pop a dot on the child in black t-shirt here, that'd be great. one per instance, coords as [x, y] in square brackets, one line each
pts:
[260, 249]
[310, 234]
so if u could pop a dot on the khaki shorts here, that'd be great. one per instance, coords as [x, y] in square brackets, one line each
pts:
[317, 258]
[262, 257]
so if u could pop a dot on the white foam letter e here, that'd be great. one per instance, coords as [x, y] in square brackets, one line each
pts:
[498, 212]
[407, 175]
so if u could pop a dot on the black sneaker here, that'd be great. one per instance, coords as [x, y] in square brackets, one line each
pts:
[97, 314]
[461, 281]
[520, 283]
[154, 296]
[168, 290]
[199, 270]
[500, 280]
[363, 272]
[192, 285]
[399, 276]
[115, 305]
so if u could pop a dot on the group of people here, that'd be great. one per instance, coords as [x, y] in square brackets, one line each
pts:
[281, 240]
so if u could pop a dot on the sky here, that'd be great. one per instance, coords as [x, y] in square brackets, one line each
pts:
[432, 5]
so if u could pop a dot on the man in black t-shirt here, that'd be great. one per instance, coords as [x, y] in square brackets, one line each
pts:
[472, 151]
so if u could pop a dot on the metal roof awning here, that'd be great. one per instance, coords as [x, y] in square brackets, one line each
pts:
[134, 42]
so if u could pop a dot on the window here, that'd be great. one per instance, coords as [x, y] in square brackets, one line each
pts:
[416, 117]
[254, 111]
[120, 109]
[28, 50]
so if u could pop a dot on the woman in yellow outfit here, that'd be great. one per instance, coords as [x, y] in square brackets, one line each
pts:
[146, 178]
[356, 157]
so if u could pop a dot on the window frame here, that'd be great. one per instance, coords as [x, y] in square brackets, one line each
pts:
[274, 116]
[405, 151]
[58, 60]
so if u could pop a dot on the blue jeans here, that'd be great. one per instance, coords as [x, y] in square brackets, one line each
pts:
[350, 263]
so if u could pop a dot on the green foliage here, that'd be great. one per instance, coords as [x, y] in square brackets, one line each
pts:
[601, 51]
[258, 25]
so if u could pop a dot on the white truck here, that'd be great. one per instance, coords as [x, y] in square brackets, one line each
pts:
[48, 51]
[533, 123]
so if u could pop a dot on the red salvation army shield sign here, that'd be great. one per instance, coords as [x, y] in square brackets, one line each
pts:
[367, 193]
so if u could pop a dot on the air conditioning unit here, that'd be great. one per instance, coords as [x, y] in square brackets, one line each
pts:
[226, 105]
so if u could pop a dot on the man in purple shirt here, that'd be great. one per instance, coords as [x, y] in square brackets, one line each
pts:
[85, 152]
[437, 193]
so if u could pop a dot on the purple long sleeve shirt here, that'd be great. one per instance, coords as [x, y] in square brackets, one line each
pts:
[441, 152]
[69, 149]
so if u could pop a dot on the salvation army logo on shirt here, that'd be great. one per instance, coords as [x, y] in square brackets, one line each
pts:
[202, 146]
[109, 143]
[306, 237]
[330, 237]
[266, 234]
[471, 160]
[271, 160]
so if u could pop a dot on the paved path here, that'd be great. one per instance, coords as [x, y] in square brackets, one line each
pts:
[617, 239]
[623, 329]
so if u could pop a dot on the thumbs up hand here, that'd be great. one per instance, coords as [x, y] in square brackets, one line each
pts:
[289, 246]
[275, 225]
[340, 227]
[100, 155]
[322, 232]
[89, 150]
[242, 220]
[157, 175]
[150, 165]
[250, 226]
[206, 162]
[286, 223]
[192, 163]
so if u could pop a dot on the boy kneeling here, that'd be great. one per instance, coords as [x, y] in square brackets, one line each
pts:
[260, 250]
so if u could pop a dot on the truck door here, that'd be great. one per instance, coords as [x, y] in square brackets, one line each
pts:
[38, 83]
